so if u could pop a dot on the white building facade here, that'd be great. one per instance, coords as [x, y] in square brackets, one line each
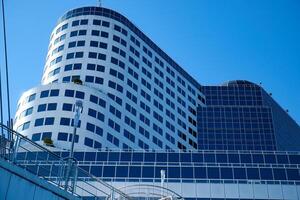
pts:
[134, 95]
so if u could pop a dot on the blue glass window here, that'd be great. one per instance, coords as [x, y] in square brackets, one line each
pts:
[226, 173]
[39, 122]
[122, 171]
[134, 171]
[46, 135]
[252, 173]
[138, 157]
[44, 93]
[62, 136]
[281, 159]
[148, 172]
[257, 158]
[213, 172]
[266, 173]
[36, 137]
[200, 172]
[52, 106]
[279, 174]
[42, 107]
[65, 121]
[102, 156]
[96, 171]
[88, 142]
[90, 127]
[293, 174]
[209, 157]
[294, 159]
[69, 93]
[93, 99]
[109, 171]
[239, 173]
[67, 107]
[114, 156]
[90, 156]
[49, 121]
[186, 172]
[54, 93]
[173, 157]
[79, 95]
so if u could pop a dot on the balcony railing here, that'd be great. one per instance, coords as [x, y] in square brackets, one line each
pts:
[53, 165]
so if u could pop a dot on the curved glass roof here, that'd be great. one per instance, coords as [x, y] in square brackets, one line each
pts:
[238, 83]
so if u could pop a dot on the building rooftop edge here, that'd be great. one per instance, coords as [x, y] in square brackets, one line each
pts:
[101, 11]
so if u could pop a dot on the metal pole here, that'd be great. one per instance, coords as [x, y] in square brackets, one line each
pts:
[162, 176]
[6, 68]
[77, 109]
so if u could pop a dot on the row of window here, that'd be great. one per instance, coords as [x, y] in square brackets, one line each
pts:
[196, 158]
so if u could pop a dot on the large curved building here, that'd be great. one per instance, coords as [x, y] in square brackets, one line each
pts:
[231, 141]
[134, 95]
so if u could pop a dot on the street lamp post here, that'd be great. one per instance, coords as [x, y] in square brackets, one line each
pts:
[77, 110]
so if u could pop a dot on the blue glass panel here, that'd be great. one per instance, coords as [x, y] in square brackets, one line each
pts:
[185, 157]
[293, 174]
[173, 157]
[148, 172]
[32, 168]
[44, 170]
[252, 173]
[114, 156]
[257, 158]
[42, 155]
[161, 157]
[294, 159]
[282, 159]
[209, 158]
[21, 156]
[31, 156]
[109, 171]
[96, 171]
[270, 158]
[213, 172]
[233, 158]
[126, 156]
[82, 173]
[138, 157]
[222, 158]
[149, 157]
[78, 156]
[90, 156]
[279, 174]
[200, 172]
[186, 172]
[134, 171]
[226, 173]
[197, 157]
[173, 172]
[245, 158]
[102, 156]
[239, 173]
[266, 173]
[122, 171]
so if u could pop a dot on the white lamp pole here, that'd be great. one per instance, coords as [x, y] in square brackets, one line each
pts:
[77, 110]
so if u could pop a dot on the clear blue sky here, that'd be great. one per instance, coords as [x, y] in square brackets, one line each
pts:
[214, 40]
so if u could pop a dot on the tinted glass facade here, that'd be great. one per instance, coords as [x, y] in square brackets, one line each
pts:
[240, 115]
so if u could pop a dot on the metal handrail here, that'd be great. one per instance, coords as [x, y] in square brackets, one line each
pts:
[9, 150]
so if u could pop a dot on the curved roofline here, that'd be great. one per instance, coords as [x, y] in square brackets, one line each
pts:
[238, 82]
[100, 11]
